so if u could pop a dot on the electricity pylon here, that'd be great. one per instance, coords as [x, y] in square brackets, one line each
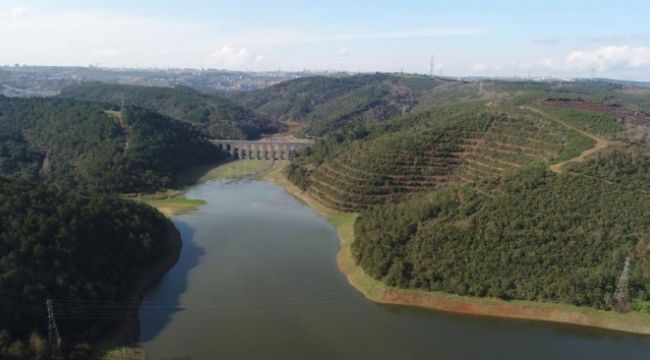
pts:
[52, 329]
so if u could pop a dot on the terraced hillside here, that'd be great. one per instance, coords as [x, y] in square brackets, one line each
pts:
[328, 103]
[469, 143]
[519, 139]
[539, 236]
[390, 167]
[512, 197]
[213, 116]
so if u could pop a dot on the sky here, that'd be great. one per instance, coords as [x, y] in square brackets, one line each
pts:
[466, 38]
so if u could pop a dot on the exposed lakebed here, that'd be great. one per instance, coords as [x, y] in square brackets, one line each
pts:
[257, 279]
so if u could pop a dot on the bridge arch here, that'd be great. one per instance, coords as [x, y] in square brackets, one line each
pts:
[261, 149]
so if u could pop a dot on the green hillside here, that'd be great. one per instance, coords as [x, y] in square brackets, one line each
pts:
[465, 199]
[213, 116]
[85, 145]
[328, 103]
[355, 168]
[80, 251]
[531, 235]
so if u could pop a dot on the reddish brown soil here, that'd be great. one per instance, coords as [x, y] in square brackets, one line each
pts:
[497, 308]
[614, 110]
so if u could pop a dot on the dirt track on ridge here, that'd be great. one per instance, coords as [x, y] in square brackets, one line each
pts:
[600, 143]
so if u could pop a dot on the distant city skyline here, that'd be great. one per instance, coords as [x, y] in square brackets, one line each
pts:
[565, 39]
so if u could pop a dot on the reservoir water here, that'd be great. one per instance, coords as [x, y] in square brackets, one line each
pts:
[257, 279]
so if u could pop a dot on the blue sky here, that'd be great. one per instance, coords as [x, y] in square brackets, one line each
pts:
[498, 38]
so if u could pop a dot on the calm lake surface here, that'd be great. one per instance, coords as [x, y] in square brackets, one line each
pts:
[257, 279]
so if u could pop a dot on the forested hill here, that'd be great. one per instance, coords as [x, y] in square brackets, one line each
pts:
[75, 144]
[324, 104]
[521, 197]
[327, 103]
[532, 235]
[86, 253]
[213, 116]
[357, 167]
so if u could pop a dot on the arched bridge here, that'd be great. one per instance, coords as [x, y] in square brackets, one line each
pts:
[261, 149]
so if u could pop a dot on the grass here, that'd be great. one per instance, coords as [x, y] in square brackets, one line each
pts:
[576, 144]
[598, 143]
[643, 306]
[595, 123]
[225, 170]
[171, 202]
[238, 169]
[122, 353]
[375, 290]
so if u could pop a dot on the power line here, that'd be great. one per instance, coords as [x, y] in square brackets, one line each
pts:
[79, 311]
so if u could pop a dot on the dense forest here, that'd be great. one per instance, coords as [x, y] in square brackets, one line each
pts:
[328, 103]
[74, 144]
[452, 180]
[78, 250]
[531, 235]
[490, 218]
[213, 116]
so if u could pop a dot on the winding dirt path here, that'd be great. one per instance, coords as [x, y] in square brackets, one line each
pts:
[600, 143]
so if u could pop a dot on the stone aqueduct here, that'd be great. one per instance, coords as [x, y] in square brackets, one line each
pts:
[261, 149]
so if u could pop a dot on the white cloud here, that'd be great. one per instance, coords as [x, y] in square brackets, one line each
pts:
[549, 63]
[14, 12]
[598, 39]
[484, 68]
[233, 56]
[479, 67]
[81, 37]
[609, 58]
[409, 34]
[108, 53]
[548, 40]
[293, 37]
[69, 35]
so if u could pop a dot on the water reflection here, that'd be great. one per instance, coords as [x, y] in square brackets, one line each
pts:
[258, 279]
[163, 301]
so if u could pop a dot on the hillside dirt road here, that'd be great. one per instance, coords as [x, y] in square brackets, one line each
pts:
[599, 142]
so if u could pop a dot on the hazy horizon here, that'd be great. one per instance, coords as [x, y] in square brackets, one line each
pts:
[507, 39]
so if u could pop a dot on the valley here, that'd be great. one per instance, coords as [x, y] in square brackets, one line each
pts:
[295, 180]
[235, 280]
[486, 200]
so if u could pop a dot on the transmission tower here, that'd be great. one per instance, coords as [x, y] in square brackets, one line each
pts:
[432, 66]
[621, 295]
[52, 329]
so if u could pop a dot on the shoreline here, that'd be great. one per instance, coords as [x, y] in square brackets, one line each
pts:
[130, 330]
[173, 202]
[124, 341]
[376, 291]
